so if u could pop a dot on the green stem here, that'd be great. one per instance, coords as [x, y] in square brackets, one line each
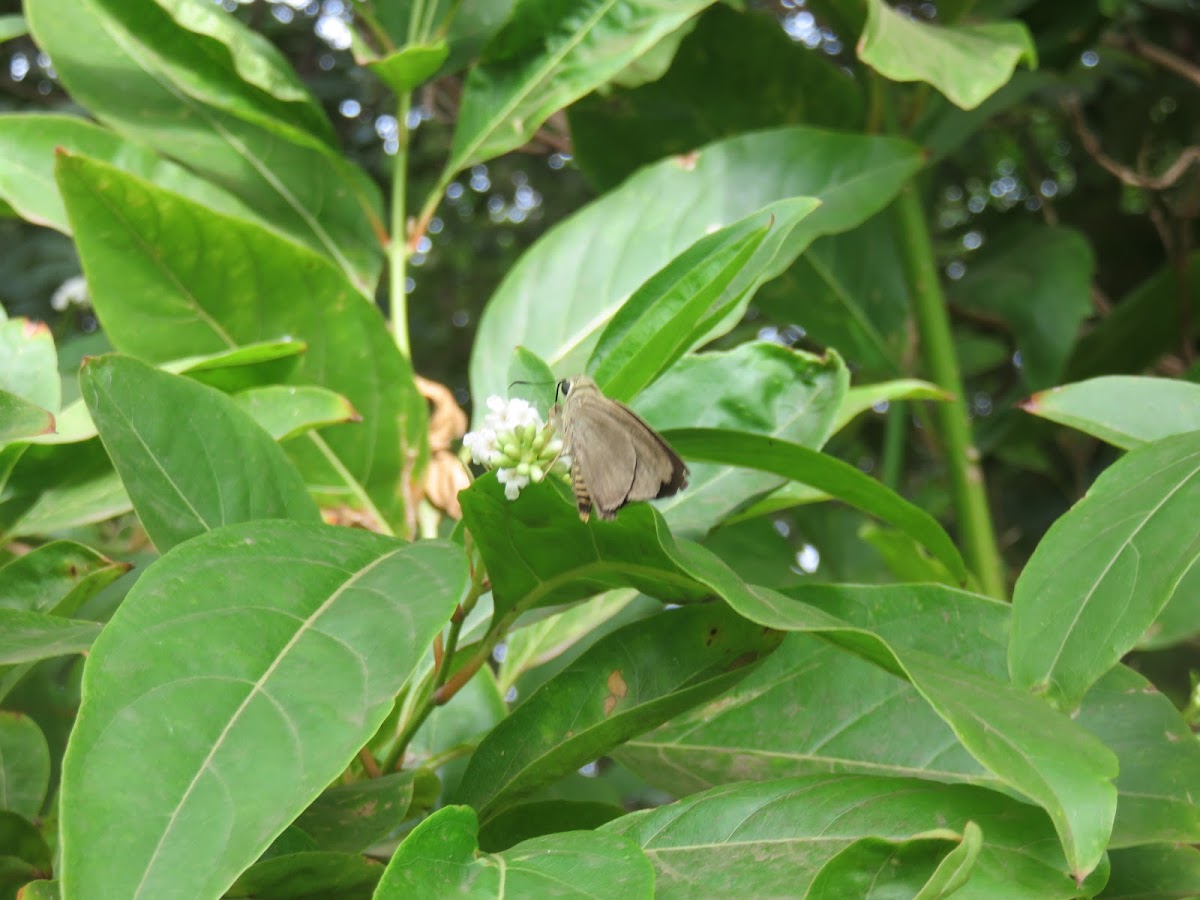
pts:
[895, 431]
[398, 245]
[937, 348]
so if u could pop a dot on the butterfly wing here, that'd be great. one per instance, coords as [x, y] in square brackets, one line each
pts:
[617, 458]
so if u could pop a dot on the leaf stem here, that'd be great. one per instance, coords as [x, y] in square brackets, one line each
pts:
[895, 431]
[937, 346]
[398, 247]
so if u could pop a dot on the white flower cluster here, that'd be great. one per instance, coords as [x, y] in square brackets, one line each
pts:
[517, 443]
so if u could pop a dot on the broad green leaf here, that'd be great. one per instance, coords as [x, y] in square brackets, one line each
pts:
[546, 57]
[410, 66]
[862, 310]
[58, 488]
[318, 873]
[185, 78]
[729, 56]
[1141, 327]
[541, 642]
[41, 890]
[441, 857]
[542, 385]
[545, 817]
[560, 295]
[186, 480]
[285, 411]
[28, 145]
[821, 471]
[875, 868]
[1154, 871]
[32, 636]
[28, 363]
[251, 365]
[759, 388]
[21, 419]
[239, 677]
[1038, 281]
[672, 310]
[866, 396]
[631, 680]
[12, 26]
[20, 840]
[160, 298]
[1127, 411]
[967, 63]
[1159, 756]
[57, 577]
[771, 839]
[24, 765]
[1033, 748]
[349, 818]
[1180, 621]
[905, 558]
[813, 708]
[538, 553]
[1106, 569]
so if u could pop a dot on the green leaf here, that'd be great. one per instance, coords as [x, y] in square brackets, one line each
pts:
[239, 677]
[31, 636]
[189, 80]
[57, 577]
[28, 363]
[287, 411]
[818, 470]
[441, 857]
[1038, 281]
[186, 480]
[631, 680]
[12, 26]
[257, 364]
[559, 296]
[339, 876]
[771, 839]
[905, 558]
[546, 57]
[24, 765]
[1159, 759]
[1127, 411]
[546, 817]
[349, 818]
[1156, 871]
[21, 840]
[21, 419]
[877, 868]
[543, 641]
[160, 299]
[542, 385]
[1141, 327]
[41, 890]
[843, 714]
[967, 63]
[759, 388]
[862, 310]
[1019, 738]
[729, 56]
[1106, 569]
[28, 144]
[668, 314]
[410, 66]
[867, 396]
[58, 488]
[538, 553]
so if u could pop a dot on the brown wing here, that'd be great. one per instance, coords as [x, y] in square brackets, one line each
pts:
[622, 459]
[603, 461]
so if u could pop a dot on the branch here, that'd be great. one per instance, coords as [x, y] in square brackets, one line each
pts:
[1091, 143]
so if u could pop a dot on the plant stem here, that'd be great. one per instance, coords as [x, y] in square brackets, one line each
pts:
[895, 431]
[398, 245]
[937, 347]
